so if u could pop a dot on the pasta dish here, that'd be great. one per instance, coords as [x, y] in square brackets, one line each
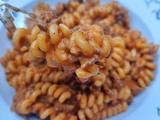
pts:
[88, 64]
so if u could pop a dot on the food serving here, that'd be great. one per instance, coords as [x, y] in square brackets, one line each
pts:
[87, 64]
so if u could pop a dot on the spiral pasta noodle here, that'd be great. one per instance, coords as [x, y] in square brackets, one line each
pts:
[60, 92]
[29, 75]
[71, 20]
[9, 55]
[102, 10]
[116, 109]
[118, 52]
[88, 113]
[99, 79]
[46, 111]
[17, 62]
[146, 73]
[26, 76]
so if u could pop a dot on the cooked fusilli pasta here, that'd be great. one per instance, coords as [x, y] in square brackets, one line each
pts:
[86, 65]
[74, 48]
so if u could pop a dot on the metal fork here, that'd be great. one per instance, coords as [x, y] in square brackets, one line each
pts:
[13, 18]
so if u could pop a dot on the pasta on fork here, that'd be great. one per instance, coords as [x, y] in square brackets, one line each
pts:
[76, 50]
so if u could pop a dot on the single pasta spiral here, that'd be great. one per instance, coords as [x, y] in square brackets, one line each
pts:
[89, 113]
[131, 38]
[73, 5]
[124, 93]
[120, 107]
[121, 71]
[110, 111]
[90, 100]
[90, 105]
[96, 113]
[102, 11]
[64, 116]
[10, 55]
[26, 76]
[26, 100]
[45, 112]
[71, 19]
[29, 75]
[19, 60]
[146, 63]
[62, 93]
[13, 61]
[118, 52]
[99, 79]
